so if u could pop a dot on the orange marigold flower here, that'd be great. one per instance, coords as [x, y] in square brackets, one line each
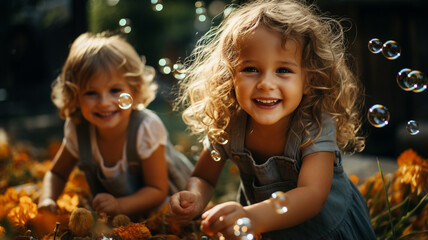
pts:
[412, 170]
[68, 202]
[25, 211]
[354, 179]
[134, 231]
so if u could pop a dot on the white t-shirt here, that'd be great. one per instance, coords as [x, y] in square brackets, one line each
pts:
[151, 133]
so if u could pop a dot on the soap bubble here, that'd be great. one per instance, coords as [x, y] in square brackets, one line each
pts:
[215, 155]
[419, 81]
[403, 80]
[391, 50]
[378, 115]
[375, 45]
[280, 202]
[412, 127]
[157, 5]
[219, 136]
[242, 229]
[178, 71]
[125, 101]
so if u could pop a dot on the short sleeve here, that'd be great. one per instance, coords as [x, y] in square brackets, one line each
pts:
[70, 138]
[326, 142]
[151, 134]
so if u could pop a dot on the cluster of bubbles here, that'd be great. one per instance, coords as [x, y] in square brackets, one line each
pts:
[157, 5]
[411, 80]
[242, 228]
[407, 79]
[201, 11]
[125, 25]
[280, 202]
[125, 101]
[390, 49]
[177, 69]
[218, 136]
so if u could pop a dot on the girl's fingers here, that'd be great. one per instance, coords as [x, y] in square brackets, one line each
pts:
[218, 219]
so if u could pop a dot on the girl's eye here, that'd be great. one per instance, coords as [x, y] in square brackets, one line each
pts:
[250, 69]
[283, 70]
[115, 90]
[90, 93]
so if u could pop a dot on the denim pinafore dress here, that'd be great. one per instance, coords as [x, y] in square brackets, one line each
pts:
[344, 214]
[179, 167]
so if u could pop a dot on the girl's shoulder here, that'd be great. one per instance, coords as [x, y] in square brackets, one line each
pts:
[150, 118]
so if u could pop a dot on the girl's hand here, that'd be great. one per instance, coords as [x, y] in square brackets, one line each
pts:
[48, 204]
[222, 218]
[184, 206]
[106, 203]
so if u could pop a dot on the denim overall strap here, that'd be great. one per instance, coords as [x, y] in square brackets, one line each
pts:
[124, 185]
[86, 163]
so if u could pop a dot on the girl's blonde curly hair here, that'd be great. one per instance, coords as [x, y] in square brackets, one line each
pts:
[93, 52]
[207, 92]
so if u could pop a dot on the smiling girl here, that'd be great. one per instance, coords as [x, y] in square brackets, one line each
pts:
[273, 75]
[124, 152]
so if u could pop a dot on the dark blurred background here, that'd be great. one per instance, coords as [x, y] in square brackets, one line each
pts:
[35, 36]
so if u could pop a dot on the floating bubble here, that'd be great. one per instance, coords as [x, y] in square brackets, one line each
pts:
[125, 25]
[412, 127]
[178, 71]
[157, 5]
[242, 229]
[419, 81]
[391, 50]
[215, 155]
[125, 101]
[280, 202]
[375, 45]
[378, 115]
[403, 80]
[199, 4]
[219, 136]
[112, 2]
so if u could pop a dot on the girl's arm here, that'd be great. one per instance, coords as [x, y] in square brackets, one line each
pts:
[154, 192]
[55, 179]
[304, 202]
[190, 203]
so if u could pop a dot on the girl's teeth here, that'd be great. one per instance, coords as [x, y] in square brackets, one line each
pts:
[266, 101]
[105, 114]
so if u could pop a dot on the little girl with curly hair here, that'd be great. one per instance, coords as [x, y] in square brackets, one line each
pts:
[273, 77]
[129, 163]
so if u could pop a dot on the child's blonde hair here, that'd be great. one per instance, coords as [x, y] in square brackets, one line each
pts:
[106, 52]
[208, 90]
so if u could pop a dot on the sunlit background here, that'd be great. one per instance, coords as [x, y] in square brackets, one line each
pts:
[35, 36]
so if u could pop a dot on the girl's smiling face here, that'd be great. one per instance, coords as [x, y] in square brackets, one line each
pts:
[269, 80]
[98, 100]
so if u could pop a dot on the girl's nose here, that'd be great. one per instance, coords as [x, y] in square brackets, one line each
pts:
[266, 82]
[106, 99]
